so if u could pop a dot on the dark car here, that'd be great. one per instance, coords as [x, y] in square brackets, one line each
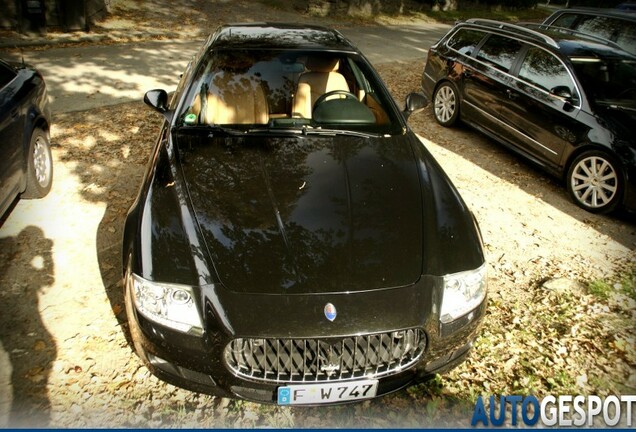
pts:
[293, 241]
[627, 7]
[616, 25]
[26, 167]
[564, 101]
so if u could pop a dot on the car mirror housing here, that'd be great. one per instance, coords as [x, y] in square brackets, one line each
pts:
[158, 100]
[562, 92]
[415, 102]
[565, 94]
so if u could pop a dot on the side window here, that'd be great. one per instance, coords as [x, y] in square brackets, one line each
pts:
[465, 41]
[6, 75]
[544, 70]
[499, 51]
[598, 26]
[566, 20]
[625, 36]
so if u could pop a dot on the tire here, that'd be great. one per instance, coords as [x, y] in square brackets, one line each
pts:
[446, 104]
[595, 182]
[39, 166]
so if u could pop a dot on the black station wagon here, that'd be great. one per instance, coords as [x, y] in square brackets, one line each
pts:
[293, 241]
[563, 100]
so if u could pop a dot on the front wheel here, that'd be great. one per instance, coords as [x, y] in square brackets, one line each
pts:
[595, 182]
[446, 104]
[39, 166]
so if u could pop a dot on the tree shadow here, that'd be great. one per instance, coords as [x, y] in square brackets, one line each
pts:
[26, 268]
[109, 149]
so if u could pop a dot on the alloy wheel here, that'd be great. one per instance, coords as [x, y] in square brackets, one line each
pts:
[594, 182]
[445, 104]
[41, 161]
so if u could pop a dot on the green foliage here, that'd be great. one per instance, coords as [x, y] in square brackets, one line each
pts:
[600, 289]
[625, 283]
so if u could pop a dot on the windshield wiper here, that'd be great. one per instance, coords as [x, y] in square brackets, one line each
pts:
[616, 106]
[215, 128]
[332, 132]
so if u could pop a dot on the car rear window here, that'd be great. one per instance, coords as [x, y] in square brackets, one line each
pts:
[465, 41]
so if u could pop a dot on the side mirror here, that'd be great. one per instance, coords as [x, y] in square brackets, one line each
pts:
[415, 102]
[158, 100]
[562, 92]
[565, 94]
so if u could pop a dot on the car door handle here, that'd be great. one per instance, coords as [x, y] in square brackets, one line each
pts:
[512, 95]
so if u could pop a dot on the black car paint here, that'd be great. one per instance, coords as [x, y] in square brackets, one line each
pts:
[563, 129]
[269, 226]
[23, 107]
[615, 24]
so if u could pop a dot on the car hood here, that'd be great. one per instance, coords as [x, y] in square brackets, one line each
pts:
[306, 214]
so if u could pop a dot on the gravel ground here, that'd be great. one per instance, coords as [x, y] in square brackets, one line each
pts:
[65, 345]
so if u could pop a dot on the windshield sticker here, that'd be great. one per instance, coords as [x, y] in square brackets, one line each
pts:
[190, 118]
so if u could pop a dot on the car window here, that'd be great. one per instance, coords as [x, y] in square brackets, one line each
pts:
[499, 51]
[607, 81]
[465, 41]
[6, 75]
[625, 37]
[616, 30]
[566, 20]
[278, 88]
[545, 71]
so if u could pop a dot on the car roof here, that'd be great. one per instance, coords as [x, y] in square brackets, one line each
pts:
[281, 35]
[564, 41]
[614, 13]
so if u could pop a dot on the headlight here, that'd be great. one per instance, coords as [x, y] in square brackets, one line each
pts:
[463, 292]
[167, 304]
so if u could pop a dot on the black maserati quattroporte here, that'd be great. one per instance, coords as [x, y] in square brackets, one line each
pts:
[293, 241]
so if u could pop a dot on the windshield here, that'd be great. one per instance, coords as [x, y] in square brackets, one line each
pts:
[302, 90]
[607, 81]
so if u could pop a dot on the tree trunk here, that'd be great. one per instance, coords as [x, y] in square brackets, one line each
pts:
[450, 5]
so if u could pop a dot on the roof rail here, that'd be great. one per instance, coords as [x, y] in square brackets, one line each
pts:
[507, 26]
[572, 32]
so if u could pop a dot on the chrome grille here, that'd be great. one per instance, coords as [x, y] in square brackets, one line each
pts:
[328, 359]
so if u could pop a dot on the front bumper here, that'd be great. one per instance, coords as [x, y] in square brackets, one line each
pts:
[197, 363]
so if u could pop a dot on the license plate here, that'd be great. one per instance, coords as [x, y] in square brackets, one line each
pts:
[327, 393]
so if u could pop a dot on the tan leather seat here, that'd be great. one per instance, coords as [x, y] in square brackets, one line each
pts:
[233, 99]
[321, 77]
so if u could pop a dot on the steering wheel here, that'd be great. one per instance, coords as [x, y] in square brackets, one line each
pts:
[324, 97]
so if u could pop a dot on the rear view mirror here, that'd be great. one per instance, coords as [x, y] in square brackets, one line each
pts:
[415, 102]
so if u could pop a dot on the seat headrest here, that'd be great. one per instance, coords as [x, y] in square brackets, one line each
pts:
[322, 64]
